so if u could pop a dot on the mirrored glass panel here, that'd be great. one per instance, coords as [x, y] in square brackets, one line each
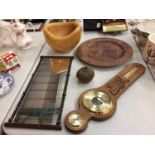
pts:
[41, 105]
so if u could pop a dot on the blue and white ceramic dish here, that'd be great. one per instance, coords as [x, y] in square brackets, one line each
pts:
[6, 82]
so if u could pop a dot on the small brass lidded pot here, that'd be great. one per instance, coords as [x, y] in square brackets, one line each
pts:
[85, 74]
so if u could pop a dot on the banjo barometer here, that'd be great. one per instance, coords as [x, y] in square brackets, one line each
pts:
[100, 103]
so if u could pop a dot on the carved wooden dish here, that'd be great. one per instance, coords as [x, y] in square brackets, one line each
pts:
[104, 52]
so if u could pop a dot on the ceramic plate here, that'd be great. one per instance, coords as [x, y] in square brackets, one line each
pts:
[6, 82]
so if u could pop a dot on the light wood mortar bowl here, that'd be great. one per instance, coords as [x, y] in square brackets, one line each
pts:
[62, 36]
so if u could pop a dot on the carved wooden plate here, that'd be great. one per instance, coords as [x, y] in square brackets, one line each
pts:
[104, 52]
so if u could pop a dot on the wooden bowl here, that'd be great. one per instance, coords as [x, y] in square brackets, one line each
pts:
[62, 36]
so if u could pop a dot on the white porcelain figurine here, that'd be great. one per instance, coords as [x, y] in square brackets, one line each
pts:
[14, 34]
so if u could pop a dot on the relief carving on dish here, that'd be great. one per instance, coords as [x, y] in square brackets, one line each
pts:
[104, 52]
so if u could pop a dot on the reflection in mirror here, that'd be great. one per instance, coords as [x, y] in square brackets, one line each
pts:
[59, 65]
